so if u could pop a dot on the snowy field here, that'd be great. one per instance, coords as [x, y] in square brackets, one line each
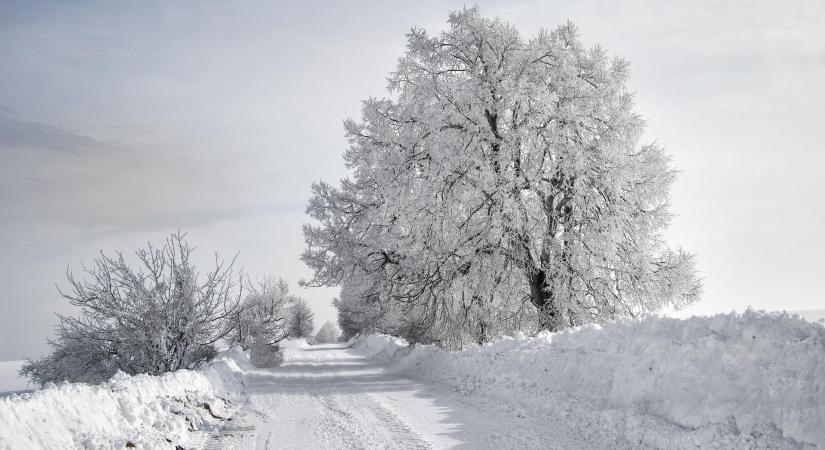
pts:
[753, 380]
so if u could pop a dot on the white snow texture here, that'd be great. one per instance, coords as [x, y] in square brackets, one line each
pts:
[751, 380]
[148, 411]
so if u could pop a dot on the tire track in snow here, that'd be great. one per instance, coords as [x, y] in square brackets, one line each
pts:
[338, 429]
[331, 398]
[404, 435]
[360, 421]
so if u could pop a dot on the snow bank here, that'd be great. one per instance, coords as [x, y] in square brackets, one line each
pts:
[179, 408]
[734, 380]
[811, 315]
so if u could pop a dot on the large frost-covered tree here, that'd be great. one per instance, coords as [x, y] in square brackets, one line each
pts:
[501, 170]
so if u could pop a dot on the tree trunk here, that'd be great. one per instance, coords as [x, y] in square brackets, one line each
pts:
[482, 337]
[542, 297]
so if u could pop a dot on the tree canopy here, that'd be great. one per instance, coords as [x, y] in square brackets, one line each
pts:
[501, 172]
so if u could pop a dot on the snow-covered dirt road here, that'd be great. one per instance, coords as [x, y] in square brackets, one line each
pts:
[327, 396]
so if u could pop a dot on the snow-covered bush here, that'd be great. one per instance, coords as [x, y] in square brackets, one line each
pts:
[263, 320]
[265, 354]
[156, 318]
[328, 333]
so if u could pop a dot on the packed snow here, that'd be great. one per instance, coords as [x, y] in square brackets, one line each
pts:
[752, 380]
[330, 396]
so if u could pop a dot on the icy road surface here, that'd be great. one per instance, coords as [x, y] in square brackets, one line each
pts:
[326, 396]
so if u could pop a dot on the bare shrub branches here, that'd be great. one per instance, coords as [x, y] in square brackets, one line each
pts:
[157, 317]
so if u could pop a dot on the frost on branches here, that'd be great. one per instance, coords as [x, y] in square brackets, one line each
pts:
[502, 184]
[301, 319]
[262, 321]
[159, 317]
[328, 333]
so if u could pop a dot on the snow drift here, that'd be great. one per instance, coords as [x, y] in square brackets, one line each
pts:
[178, 408]
[733, 380]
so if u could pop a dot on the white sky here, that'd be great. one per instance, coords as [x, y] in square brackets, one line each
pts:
[120, 123]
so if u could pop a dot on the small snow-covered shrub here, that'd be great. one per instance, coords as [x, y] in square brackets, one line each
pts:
[262, 320]
[155, 318]
[264, 354]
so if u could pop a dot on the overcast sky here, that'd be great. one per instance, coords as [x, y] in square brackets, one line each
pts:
[120, 123]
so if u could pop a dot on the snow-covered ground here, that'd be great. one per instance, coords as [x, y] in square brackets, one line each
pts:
[751, 380]
[183, 408]
[331, 396]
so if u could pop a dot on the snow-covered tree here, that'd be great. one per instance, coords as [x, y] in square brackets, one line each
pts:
[158, 317]
[360, 312]
[327, 333]
[349, 316]
[301, 319]
[262, 321]
[499, 171]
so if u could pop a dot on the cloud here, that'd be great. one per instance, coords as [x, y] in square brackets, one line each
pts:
[54, 176]
[21, 135]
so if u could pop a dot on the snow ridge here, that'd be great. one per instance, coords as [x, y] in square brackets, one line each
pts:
[179, 408]
[751, 380]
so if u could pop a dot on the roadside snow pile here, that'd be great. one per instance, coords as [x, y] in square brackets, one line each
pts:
[751, 380]
[174, 409]
[811, 315]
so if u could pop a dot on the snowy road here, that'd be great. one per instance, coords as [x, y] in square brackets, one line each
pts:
[330, 397]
